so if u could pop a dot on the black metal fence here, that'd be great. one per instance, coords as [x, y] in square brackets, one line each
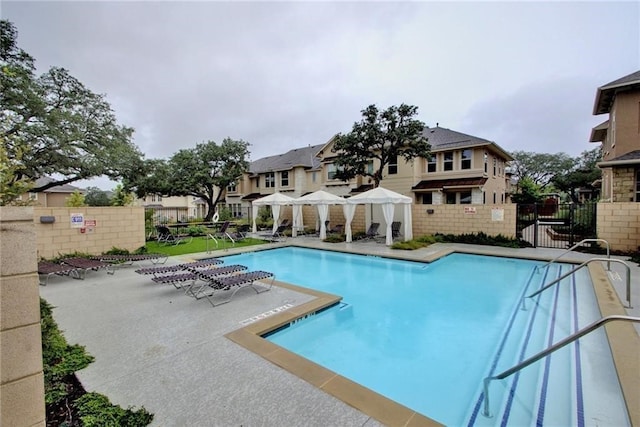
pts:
[556, 225]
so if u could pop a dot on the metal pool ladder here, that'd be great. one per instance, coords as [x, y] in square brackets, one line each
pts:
[574, 247]
[571, 338]
[607, 260]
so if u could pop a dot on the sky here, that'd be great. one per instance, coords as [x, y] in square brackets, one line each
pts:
[284, 75]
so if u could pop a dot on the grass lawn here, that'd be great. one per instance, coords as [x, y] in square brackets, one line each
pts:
[198, 244]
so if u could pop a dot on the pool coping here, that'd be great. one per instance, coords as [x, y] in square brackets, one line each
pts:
[389, 412]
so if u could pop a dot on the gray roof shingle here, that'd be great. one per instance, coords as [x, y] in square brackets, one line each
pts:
[607, 93]
[304, 157]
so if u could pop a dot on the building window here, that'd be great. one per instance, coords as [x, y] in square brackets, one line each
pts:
[393, 165]
[231, 188]
[313, 177]
[448, 161]
[258, 182]
[427, 198]
[270, 180]
[284, 179]
[33, 196]
[637, 185]
[465, 197]
[494, 197]
[431, 163]
[484, 198]
[370, 167]
[495, 163]
[465, 159]
[451, 198]
[331, 171]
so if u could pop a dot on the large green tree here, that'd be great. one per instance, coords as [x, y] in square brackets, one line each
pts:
[582, 176]
[540, 168]
[204, 172]
[52, 125]
[96, 197]
[380, 137]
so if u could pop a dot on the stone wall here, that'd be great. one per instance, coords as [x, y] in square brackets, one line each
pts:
[462, 219]
[619, 224]
[624, 184]
[22, 380]
[103, 228]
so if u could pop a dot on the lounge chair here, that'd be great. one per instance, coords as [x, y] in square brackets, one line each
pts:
[131, 258]
[275, 236]
[190, 266]
[168, 238]
[395, 229]
[48, 269]
[207, 276]
[236, 282]
[338, 229]
[372, 232]
[240, 233]
[187, 279]
[82, 265]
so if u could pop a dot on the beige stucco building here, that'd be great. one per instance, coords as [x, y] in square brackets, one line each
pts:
[54, 197]
[462, 169]
[620, 138]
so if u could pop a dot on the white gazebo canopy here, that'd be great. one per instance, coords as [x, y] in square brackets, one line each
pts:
[387, 199]
[322, 200]
[274, 200]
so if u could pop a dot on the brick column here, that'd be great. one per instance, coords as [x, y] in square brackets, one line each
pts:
[21, 377]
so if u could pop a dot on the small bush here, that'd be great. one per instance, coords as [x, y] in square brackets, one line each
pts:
[59, 359]
[196, 230]
[481, 239]
[409, 245]
[335, 238]
[117, 251]
[359, 235]
[95, 410]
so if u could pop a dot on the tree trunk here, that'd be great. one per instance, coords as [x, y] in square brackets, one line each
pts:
[211, 208]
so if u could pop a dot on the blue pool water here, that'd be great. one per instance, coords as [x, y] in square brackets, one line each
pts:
[425, 335]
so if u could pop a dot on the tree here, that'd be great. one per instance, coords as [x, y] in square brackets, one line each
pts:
[75, 200]
[204, 172]
[541, 168]
[383, 136]
[121, 197]
[57, 125]
[96, 197]
[583, 175]
[528, 192]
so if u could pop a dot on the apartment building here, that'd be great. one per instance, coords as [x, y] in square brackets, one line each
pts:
[620, 138]
[54, 197]
[462, 169]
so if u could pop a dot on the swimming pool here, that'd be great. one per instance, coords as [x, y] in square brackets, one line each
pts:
[425, 335]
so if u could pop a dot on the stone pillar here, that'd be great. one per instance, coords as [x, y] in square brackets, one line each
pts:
[21, 377]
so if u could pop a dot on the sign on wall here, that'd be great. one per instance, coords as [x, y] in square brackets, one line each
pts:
[77, 220]
[469, 210]
[497, 214]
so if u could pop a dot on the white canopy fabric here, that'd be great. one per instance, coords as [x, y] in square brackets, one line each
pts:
[386, 198]
[322, 200]
[274, 200]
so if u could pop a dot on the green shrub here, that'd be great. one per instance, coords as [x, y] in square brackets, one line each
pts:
[95, 410]
[359, 235]
[335, 238]
[409, 245]
[117, 251]
[196, 230]
[58, 357]
[481, 239]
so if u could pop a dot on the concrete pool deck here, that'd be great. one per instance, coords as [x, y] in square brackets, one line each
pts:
[179, 358]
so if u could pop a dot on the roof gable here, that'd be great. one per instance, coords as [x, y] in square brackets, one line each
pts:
[298, 157]
[446, 139]
[606, 94]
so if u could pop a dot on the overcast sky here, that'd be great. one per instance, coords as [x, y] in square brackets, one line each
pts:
[286, 75]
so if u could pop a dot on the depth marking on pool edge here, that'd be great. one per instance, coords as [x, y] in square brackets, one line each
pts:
[265, 314]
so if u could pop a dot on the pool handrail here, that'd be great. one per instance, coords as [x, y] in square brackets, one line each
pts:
[607, 260]
[574, 247]
[568, 340]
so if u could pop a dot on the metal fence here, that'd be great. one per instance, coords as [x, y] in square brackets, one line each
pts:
[551, 225]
